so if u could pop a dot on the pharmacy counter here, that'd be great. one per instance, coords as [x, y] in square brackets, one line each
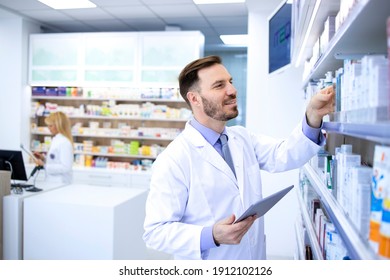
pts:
[85, 222]
[13, 205]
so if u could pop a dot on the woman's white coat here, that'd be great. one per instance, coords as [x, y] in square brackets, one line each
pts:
[59, 160]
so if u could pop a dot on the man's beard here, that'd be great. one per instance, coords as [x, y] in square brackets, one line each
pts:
[215, 111]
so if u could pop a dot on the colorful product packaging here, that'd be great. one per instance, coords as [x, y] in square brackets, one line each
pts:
[380, 181]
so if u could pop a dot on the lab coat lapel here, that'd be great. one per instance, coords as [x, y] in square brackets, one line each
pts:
[211, 155]
[207, 152]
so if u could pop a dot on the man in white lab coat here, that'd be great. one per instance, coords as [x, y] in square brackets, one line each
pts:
[195, 196]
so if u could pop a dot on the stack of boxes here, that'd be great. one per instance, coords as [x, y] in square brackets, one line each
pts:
[379, 237]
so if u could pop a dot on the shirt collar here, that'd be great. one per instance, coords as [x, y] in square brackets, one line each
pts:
[210, 135]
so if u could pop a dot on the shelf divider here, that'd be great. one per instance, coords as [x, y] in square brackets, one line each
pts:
[377, 132]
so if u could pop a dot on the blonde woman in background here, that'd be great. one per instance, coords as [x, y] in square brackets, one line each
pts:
[59, 159]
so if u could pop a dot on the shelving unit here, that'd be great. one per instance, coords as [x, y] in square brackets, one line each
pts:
[133, 177]
[103, 135]
[363, 32]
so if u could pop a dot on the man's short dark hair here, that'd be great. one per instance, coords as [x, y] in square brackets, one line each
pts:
[188, 78]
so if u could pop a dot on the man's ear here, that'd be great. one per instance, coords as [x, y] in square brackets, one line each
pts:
[193, 98]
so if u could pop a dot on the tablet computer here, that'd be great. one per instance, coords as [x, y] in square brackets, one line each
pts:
[261, 207]
[28, 152]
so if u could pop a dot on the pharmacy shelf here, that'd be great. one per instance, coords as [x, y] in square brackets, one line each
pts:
[115, 155]
[358, 249]
[111, 170]
[72, 98]
[111, 136]
[103, 137]
[94, 117]
[378, 132]
[110, 155]
[356, 36]
[317, 254]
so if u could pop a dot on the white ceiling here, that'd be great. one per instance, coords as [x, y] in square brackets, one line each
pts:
[138, 15]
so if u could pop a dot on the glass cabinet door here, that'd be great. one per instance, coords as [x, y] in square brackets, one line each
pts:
[164, 54]
[54, 58]
[110, 58]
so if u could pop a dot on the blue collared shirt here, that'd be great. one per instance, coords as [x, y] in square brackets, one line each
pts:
[207, 239]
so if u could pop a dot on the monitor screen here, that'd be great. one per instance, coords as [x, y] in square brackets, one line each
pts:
[13, 161]
[280, 37]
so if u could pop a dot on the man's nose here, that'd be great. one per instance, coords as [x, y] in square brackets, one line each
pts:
[231, 90]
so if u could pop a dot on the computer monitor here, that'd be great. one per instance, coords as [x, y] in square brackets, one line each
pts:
[13, 161]
[280, 39]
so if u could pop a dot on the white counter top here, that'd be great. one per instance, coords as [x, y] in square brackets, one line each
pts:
[45, 186]
[80, 194]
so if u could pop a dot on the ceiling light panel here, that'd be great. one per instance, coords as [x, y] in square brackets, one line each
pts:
[68, 4]
[203, 2]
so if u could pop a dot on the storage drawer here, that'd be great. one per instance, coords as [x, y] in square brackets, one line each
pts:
[97, 178]
[140, 180]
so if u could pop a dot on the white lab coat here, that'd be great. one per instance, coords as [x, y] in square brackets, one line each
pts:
[59, 160]
[193, 187]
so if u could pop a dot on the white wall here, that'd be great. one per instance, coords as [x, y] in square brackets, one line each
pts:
[10, 81]
[275, 106]
[14, 93]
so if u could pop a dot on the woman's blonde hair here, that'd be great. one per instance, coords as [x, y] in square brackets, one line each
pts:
[61, 122]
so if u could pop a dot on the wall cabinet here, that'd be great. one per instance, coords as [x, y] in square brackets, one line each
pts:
[54, 58]
[130, 59]
[109, 58]
[165, 54]
[120, 91]
[361, 33]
